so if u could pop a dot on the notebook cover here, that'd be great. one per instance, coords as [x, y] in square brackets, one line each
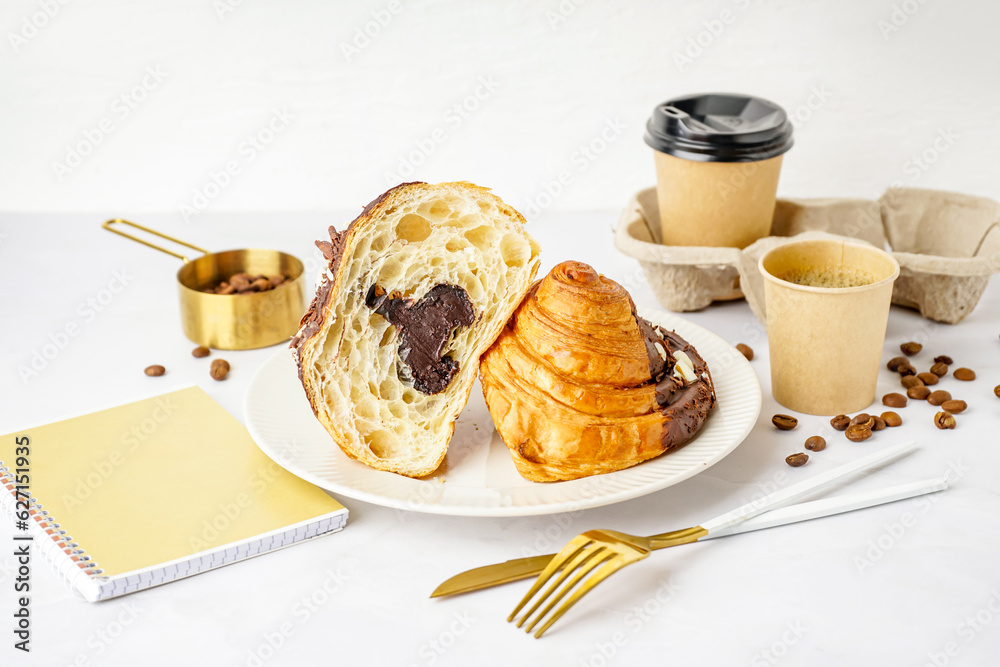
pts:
[160, 479]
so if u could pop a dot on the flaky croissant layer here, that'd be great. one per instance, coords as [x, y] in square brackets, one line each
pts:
[578, 384]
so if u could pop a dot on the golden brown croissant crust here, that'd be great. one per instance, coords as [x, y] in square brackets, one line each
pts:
[578, 384]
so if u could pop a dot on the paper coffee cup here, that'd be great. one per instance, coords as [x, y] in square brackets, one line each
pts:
[718, 158]
[826, 340]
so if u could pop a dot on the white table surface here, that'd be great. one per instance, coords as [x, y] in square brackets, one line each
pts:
[912, 583]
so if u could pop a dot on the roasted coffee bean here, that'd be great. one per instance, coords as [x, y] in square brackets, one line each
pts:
[815, 443]
[200, 351]
[841, 422]
[155, 370]
[944, 420]
[906, 369]
[858, 432]
[964, 374]
[219, 369]
[918, 393]
[745, 350]
[879, 424]
[910, 349]
[894, 400]
[796, 460]
[784, 422]
[996, 390]
[891, 419]
[911, 381]
[940, 369]
[943, 359]
[863, 419]
[895, 363]
[938, 397]
[954, 406]
[928, 378]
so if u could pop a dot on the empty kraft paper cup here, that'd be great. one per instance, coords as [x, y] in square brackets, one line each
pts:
[826, 341]
[718, 157]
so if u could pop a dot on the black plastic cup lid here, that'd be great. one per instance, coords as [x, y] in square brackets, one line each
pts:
[719, 127]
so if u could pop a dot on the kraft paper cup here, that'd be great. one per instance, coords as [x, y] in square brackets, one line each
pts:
[718, 157]
[826, 342]
[715, 203]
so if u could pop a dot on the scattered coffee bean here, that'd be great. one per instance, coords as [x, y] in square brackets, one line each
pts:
[938, 397]
[928, 378]
[784, 422]
[841, 422]
[964, 374]
[943, 359]
[954, 406]
[745, 350]
[944, 420]
[918, 393]
[895, 363]
[911, 381]
[815, 443]
[940, 369]
[891, 419]
[863, 419]
[894, 400]
[996, 390]
[796, 460]
[155, 370]
[219, 369]
[906, 369]
[858, 432]
[879, 424]
[910, 349]
[200, 351]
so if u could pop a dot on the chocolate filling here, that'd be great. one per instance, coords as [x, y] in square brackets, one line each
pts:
[684, 405]
[424, 328]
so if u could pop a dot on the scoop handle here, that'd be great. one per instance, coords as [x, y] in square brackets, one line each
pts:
[109, 225]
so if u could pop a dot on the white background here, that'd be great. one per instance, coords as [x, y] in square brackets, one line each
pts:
[880, 101]
[868, 96]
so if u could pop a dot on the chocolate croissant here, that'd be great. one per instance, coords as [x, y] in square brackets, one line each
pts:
[578, 384]
[416, 289]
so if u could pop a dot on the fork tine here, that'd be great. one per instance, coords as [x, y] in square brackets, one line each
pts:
[610, 567]
[582, 557]
[583, 571]
[571, 550]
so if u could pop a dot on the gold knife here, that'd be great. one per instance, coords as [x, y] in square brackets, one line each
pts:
[523, 568]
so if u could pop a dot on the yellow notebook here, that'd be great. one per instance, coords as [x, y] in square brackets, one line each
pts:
[153, 491]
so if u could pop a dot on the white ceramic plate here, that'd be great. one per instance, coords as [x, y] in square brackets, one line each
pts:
[478, 477]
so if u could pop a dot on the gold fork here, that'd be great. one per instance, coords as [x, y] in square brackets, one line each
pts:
[607, 551]
[604, 552]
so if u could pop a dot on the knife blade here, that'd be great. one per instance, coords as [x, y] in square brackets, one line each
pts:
[523, 568]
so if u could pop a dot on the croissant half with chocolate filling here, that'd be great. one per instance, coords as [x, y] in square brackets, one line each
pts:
[417, 288]
[578, 384]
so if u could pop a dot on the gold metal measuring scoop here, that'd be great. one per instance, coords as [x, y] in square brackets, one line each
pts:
[232, 321]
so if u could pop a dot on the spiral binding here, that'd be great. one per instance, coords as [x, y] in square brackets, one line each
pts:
[70, 562]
